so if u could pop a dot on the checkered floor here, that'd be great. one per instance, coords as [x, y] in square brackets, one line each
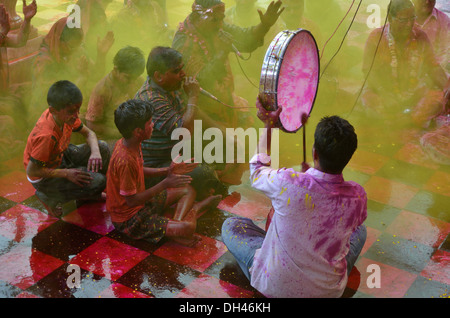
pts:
[408, 234]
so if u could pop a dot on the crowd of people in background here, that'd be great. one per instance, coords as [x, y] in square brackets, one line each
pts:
[82, 55]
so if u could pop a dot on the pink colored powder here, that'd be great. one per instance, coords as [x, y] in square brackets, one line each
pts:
[298, 80]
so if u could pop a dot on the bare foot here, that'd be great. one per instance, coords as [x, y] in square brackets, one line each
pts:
[210, 202]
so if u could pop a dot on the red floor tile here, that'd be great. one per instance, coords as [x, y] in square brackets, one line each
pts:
[21, 223]
[16, 187]
[91, 216]
[247, 203]
[389, 192]
[23, 266]
[394, 282]
[109, 258]
[438, 268]
[419, 228]
[199, 257]
[210, 287]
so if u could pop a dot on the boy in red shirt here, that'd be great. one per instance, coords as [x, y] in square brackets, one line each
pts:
[138, 212]
[60, 171]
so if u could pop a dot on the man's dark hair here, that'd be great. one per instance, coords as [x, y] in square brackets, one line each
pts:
[162, 59]
[335, 141]
[63, 94]
[395, 6]
[130, 60]
[130, 115]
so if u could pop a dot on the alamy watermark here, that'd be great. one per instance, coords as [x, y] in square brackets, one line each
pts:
[374, 279]
[74, 279]
[215, 151]
[374, 20]
[74, 18]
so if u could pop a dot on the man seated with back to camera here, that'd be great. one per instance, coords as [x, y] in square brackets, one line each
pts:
[316, 231]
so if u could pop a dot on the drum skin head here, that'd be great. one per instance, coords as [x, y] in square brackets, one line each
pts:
[297, 74]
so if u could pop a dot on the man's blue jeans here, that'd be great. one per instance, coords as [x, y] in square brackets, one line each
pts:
[243, 237]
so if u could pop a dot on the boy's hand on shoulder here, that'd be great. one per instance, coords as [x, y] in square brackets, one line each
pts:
[78, 177]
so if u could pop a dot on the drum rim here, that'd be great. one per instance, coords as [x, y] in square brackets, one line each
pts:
[291, 34]
[278, 61]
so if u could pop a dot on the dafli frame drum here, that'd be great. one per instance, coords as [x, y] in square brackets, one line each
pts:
[290, 77]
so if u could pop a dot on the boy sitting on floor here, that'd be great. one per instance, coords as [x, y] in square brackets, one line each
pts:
[135, 211]
[60, 171]
[316, 232]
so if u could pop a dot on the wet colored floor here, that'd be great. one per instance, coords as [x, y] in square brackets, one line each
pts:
[408, 238]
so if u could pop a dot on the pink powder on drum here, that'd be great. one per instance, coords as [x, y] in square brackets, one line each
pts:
[298, 80]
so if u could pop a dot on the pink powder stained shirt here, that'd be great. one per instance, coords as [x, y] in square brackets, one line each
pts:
[303, 254]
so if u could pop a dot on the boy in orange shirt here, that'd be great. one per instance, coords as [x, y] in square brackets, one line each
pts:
[138, 212]
[58, 170]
